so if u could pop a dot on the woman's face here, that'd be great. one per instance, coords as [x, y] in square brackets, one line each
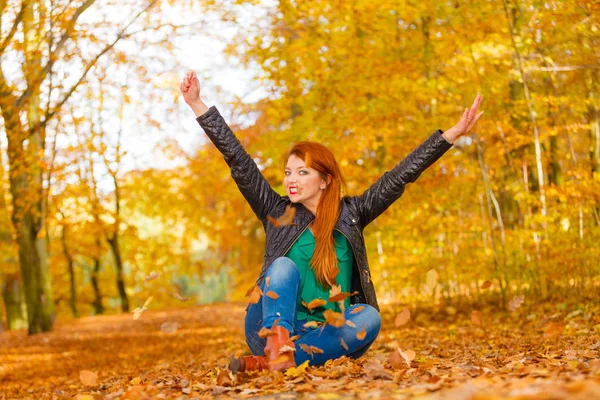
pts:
[303, 185]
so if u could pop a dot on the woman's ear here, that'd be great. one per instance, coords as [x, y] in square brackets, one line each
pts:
[325, 182]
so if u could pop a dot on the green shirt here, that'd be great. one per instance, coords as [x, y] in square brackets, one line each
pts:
[310, 289]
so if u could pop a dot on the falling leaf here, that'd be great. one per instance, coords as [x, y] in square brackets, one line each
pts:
[286, 219]
[311, 350]
[407, 355]
[333, 318]
[396, 360]
[223, 378]
[316, 303]
[180, 297]
[88, 378]
[357, 310]
[361, 335]
[137, 313]
[344, 345]
[268, 280]
[432, 277]
[285, 348]
[272, 295]
[294, 338]
[153, 275]
[476, 317]
[403, 317]
[169, 327]
[516, 302]
[255, 296]
[341, 296]
[311, 324]
[486, 285]
[135, 381]
[265, 332]
[350, 324]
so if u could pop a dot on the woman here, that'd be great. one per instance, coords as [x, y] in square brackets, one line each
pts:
[314, 299]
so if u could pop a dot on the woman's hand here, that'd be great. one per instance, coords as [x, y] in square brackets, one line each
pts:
[190, 87]
[466, 123]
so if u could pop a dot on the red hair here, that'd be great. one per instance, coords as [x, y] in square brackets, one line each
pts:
[320, 158]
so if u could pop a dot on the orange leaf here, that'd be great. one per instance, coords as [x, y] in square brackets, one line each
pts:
[311, 324]
[361, 335]
[333, 318]
[255, 296]
[307, 160]
[316, 303]
[272, 295]
[223, 378]
[265, 332]
[344, 345]
[403, 317]
[357, 310]
[486, 285]
[88, 378]
[286, 219]
[476, 317]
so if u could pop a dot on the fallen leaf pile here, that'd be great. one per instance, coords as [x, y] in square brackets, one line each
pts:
[542, 352]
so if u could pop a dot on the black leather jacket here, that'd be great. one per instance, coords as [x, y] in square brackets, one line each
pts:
[356, 211]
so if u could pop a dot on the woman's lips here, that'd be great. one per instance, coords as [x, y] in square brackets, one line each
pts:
[293, 190]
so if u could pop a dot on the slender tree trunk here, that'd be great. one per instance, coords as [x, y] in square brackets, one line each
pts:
[73, 298]
[98, 307]
[16, 310]
[114, 245]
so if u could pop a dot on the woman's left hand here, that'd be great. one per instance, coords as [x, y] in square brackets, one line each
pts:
[466, 123]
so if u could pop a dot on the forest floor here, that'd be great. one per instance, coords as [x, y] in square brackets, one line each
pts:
[552, 352]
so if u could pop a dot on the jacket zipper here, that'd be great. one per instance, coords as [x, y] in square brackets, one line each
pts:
[355, 260]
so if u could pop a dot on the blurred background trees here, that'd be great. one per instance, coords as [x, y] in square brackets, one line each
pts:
[88, 225]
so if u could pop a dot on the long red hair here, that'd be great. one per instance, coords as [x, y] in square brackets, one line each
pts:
[320, 158]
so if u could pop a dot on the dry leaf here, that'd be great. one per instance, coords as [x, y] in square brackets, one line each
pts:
[153, 275]
[311, 350]
[316, 303]
[333, 318]
[350, 324]
[268, 280]
[432, 277]
[486, 285]
[180, 297]
[255, 296]
[285, 348]
[554, 329]
[286, 219]
[169, 327]
[357, 310]
[137, 313]
[88, 378]
[265, 332]
[476, 317]
[272, 295]
[516, 302]
[403, 317]
[344, 345]
[223, 378]
[375, 370]
[361, 335]
[311, 324]
[396, 360]
[294, 372]
[407, 355]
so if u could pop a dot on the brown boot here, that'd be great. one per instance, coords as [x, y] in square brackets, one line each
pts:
[274, 359]
[280, 349]
[248, 363]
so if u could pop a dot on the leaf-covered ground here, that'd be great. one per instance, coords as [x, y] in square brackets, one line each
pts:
[549, 352]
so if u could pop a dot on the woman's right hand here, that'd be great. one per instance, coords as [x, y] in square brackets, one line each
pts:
[190, 87]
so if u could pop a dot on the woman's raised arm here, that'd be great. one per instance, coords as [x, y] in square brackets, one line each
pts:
[383, 193]
[244, 171]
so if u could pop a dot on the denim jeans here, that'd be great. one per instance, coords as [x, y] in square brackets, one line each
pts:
[284, 280]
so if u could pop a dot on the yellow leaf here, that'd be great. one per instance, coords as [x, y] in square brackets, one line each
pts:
[361, 335]
[88, 378]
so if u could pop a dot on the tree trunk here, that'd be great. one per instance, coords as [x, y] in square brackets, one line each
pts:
[98, 307]
[16, 311]
[73, 297]
[114, 245]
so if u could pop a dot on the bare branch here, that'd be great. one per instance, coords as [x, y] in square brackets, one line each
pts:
[16, 23]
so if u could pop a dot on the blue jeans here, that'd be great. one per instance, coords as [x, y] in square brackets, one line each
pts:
[285, 282]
